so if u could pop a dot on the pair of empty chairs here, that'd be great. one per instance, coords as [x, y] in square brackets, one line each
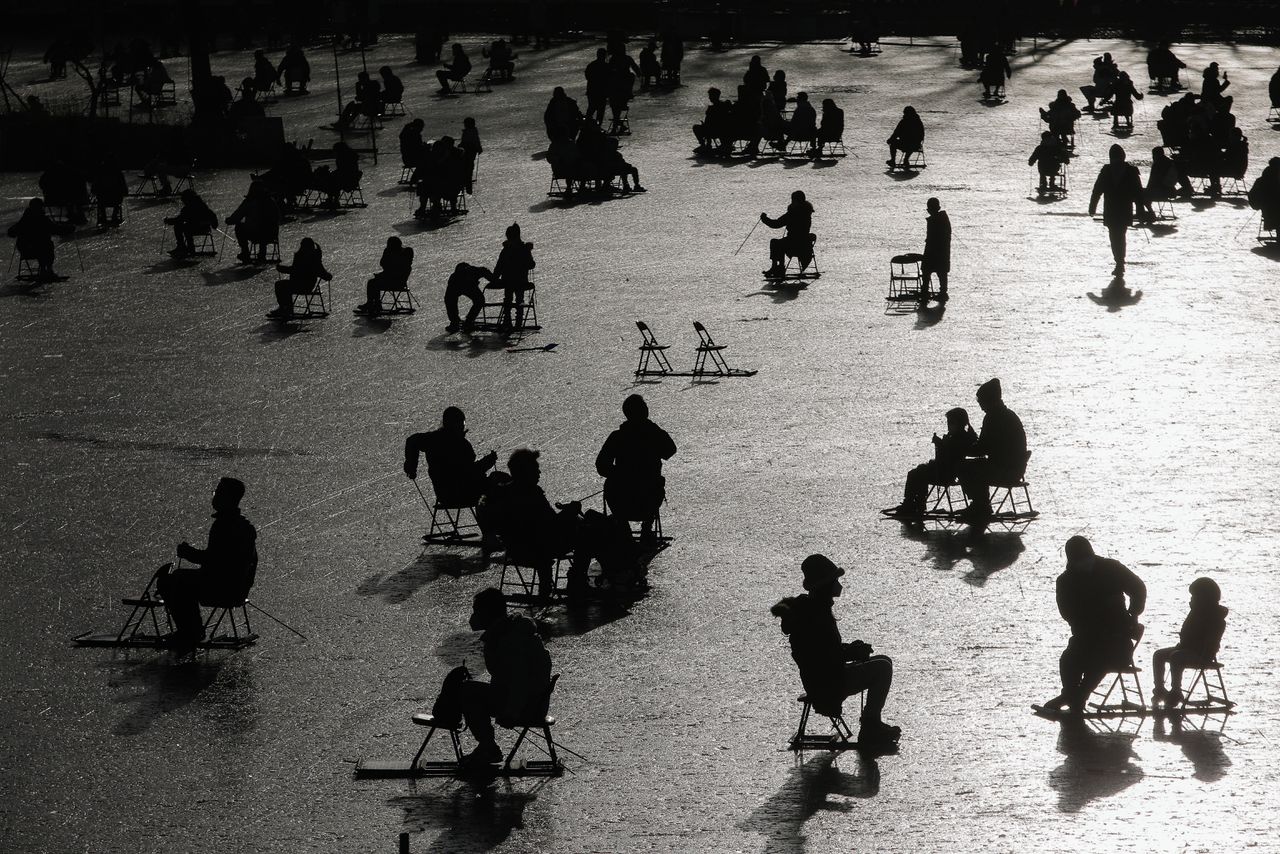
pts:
[709, 358]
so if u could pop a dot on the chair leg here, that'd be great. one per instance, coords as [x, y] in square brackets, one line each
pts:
[506, 766]
[414, 764]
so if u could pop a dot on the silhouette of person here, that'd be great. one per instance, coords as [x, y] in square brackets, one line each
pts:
[1162, 64]
[1061, 116]
[1167, 177]
[777, 90]
[256, 220]
[264, 73]
[465, 282]
[832, 129]
[995, 70]
[715, 123]
[64, 186]
[469, 145]
[109, 189]
[799, 239]
[756, 77]
[1122, 94]
[830, 669]
[367, 100]
[630, 461]
[650, 68]
[598, 77]
[519, 686]
[194, 217]
[33, 237]
[1211, 89]
[223, 571]
[392, 86]
[1050, 154]
[803, 125]
[396, 264]
[511, 273]
[502, 61]
[412, 147]
[1198, 642]
[1119, 186]
[305, 271]
[1264, 195]
[1104, 75]
[562, 116]
[948, 452]
[295, 69]
[458, 478]
[937, 250]
[1091, 598]
[457, 69]
[1000, 456]
[907, 137]
[1273, 88]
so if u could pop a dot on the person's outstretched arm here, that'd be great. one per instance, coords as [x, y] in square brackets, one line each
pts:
[412, 447]
[1097, 192]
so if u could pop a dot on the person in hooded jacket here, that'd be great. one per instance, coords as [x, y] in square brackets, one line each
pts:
[630, 461]
[830, 669]
[511, 273]
[1198, 642]
[907, 137]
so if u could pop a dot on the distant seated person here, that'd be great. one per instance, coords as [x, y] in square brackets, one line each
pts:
[519, 686]
[457, 69]
[64, 186]
[367, 101]
[831, 670]
[1000, 455]
[154, 84]
[223, 572]
[396, 264]
[1061, 116]
[412, 146]
[536, 535]
[465, 282]
[1167, 178]
[441, 178]
[295, 69]
[290, 174]
[832, 128]
[1098, 93]
[1122, 94]
[995, 70]
[773, 128]
[392, 87]
[672, 54]
[1198, 642]
[948, 452]
[630, 461]
[109, 189]
[33, 237]
[798, 240]
[746, 122]
[457, 477]
[777, 90]
[1264, 195]
[1162, 65]
[1091, 596]
[1212, 89]
[803, 126]
[1048, 157]
[344, 177]
[265, 74]
[1273, 89]
[907, 137]
[246, 106]
[256, 220]
[716, 122]
[562, 116]
[602, 159]
[650, 68]
[305, 273]
[502, 62]
[194, 218]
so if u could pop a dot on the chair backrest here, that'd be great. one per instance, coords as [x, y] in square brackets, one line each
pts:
[703, 335]
[646, 333]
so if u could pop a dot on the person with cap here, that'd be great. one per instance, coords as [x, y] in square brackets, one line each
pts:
[511, 273]
[396, 264]
[519, 686]
[458, 478]
[222, 573]
[949, 451]
[937, 250]
[1091, 595]
[798, 240]
[907, 137]
[465, 282]
[1119, 186]
[1198, 642]
[1000, 455]
[830, 669]
[630, 461]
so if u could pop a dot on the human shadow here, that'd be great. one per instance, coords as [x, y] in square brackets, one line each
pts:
[899, 174]
[471, 345]
[781, 291]
[816, 785]
[231, 274]
[159, 685]
[576, 621]
[34, 290]
[365, 325]
[279, 330]
[470, 817]
[1202, 747]
[1096, 765]
[410, 227]
[458, 648]
[929, 314]
[402, 584]
[1270, 251]
[1116, 295]
[986, 551]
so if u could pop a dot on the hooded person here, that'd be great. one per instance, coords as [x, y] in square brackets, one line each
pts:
[1264, 195]
[830, 669]
[907, 137]
[511, 273]
[1119, 186]
[1198, 642]
[798, 240]
[999, 456]
[949, 450]
[630, 461]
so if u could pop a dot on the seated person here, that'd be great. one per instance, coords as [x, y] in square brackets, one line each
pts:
[441, 178]
[345, 176]
[1122, 94]
[777, 90]
[1235, 155]
[562, 116]
[109, 189]
[256, 220]
[367, 101]
[715, 122]
[33, 237]
[290, 175]
[501, 61]
[1198, 642]
[211, 98]
[1000, 455]
[64, 186]
[672, 55]
[392, 87]
[465, 282]
[830, 669]
[305, 273]
[1104, 75]
[265, 74]
[455, 70]
[650, 69]
[295, 69]
[519, 686]
[566, 164]
[746, 122]
[803, 126]
[832, 129]
[1050, 154]
[1163, 65]
[1211, 89]
[756, 77]
[798, 240]
[1264, 195]
[602, 159]
[995, 70]
[630, 461]
[154, 83]
[1167, 178]
[907, 137]
[412, 148]
[224, 569]
[458, 478]
[246, 106]
[194, 217]
[396, 264]
[1273, 89]
[1091, 598]
[948, 451]
[1061, 116]
[772, 127]
[598, 78]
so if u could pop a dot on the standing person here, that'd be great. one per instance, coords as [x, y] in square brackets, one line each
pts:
[1091, 598]
[999, 456]
[598, 77]
[224, 570]
[937, 250]
[831, 670]
[1119, 186]
[799, 239]
[511, 273]
[630, 461]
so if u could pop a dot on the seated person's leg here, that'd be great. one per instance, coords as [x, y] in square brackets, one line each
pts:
[478, 707]
[1159, 661]
[180, 591]
[242, 237]
[284, 295]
